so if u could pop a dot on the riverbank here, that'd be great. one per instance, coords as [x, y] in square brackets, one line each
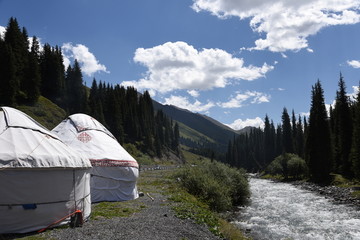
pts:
[160, 213]
[345, 194]
[339, 195]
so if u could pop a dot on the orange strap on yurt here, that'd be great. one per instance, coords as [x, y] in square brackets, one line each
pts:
[70, 215]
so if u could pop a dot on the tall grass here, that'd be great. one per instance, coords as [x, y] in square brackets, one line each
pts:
[220, 186]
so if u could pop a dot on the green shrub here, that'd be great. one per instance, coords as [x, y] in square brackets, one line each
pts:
[297, 167]
[275, 168]
[288, 165]
[215, 183]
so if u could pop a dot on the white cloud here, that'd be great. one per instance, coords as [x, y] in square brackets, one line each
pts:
[88, 62]
[183, 102]
[286, 23]
[240, 124]
[2, 31]
[242, 99]
[354, 94]
[193, 93]
[305, 114]
[177, 65]
[41, 46]
[354, 63]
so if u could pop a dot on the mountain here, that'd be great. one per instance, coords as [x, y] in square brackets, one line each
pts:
[197, 130]
[245, 130]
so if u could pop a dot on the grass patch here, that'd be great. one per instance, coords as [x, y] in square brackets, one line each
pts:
[45, 112]
[229, 231]
[26, 236]
[114, 209]
[356, 194]
[192, 158]
[340, 181]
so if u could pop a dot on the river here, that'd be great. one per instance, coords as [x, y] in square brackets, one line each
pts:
[283, 211]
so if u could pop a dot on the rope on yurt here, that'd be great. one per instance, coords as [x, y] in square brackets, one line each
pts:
[76, 217]
[60, 220]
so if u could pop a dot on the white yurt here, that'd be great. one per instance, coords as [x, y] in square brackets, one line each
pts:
[114, 171]
[43, 182]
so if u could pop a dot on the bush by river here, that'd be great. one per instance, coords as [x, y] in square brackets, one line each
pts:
[217, 184]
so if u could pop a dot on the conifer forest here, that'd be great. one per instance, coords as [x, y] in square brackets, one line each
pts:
[28, 72]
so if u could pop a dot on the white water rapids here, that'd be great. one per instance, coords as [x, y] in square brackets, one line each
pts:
[283, 211]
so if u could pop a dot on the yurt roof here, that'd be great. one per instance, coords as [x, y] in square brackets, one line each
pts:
[84, 133]
[24, 143]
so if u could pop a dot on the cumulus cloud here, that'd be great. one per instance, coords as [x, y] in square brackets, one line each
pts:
[286, 23]
[183, 102]
[242, 99]
[193, 93]
[2, 31]
[177, 65]
[88, 62]
[253, 122]
[353, 95]
[354, 63]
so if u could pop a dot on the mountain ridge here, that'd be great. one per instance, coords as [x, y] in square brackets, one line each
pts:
[211, 128]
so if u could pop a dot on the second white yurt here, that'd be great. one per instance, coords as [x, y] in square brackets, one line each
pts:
[43, 182]
[114, 171]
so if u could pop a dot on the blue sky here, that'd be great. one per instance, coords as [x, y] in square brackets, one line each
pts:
[233, 60]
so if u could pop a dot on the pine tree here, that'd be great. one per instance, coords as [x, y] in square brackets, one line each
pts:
[287, 139]
[33, 79]
[74, 100]
[293, 130]
[279, 141]
[299, 138]
[18, 42]
[52, 74]
[269, 142]
[342, 130]
[8, 82]
[318, 145]
[175, 144]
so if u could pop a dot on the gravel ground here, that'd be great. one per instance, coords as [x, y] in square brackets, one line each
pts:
[155, 220]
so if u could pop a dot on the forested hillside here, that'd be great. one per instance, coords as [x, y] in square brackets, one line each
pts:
[329, 142]
[29, 73]
[201, 134]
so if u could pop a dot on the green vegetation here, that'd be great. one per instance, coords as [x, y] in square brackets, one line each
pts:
[114, 209]
[288, 165]
[45, 112]
[220, 186]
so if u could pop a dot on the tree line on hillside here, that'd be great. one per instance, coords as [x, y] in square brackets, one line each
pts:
[27, 72]
[329, 143]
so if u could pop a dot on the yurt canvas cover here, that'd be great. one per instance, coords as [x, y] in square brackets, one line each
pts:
[42, 180]
[115, 171]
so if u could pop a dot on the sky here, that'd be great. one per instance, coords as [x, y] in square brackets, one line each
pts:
[233, 60]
